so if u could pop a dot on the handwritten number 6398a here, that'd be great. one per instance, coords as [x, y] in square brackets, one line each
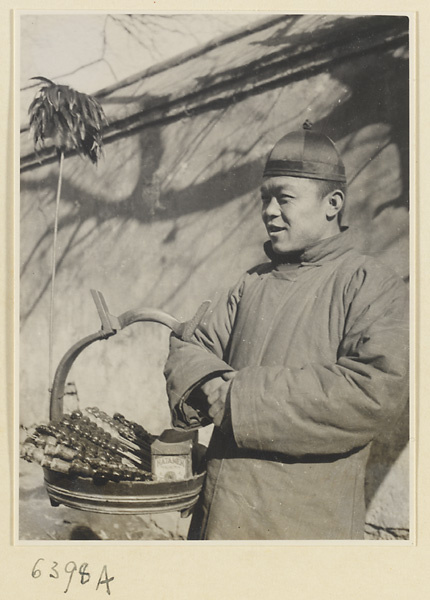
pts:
[70, 568]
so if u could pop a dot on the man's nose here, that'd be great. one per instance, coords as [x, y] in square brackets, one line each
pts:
[272, 208]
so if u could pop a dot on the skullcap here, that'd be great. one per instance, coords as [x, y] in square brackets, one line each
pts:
[306, 154]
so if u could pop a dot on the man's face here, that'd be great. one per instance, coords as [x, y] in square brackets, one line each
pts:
[294, 213]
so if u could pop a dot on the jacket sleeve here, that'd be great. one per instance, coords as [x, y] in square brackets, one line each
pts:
[189, 364]
[332, 408]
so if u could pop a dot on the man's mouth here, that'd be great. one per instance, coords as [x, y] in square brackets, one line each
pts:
[275, 229]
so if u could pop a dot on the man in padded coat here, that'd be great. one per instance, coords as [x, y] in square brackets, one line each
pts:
[299, 366]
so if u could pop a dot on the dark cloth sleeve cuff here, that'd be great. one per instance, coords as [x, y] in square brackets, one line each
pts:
[192, 410]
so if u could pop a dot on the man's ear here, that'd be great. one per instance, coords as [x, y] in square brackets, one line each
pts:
[334, 203]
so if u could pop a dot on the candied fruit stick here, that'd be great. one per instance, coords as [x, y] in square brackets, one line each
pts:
[142, 450]
[92, 415]
[129, 437]
[60, 451]
[136, 431]
[105, 422]
[81, 468]
[56, 464]
[45, 441]
[61, 435]
[31, 439]
[130, 474]
[125, 428]
[130, 458]
[96, 435]
[102, 420]
[98, 442]
[127, 434]
[114, 470]
[42, 440]
[124, 446]
[123, 449]
[31, 453]
[133, 459]
[105, 471]
[43, 429]
[50, 447]
[82, 441]
[76, 467]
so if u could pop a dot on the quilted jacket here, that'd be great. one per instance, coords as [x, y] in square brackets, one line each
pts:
[321, 354]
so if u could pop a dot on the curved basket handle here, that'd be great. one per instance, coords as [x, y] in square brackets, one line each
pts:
[110, 326]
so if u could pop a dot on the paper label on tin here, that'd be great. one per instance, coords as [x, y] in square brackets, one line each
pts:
[170, 468]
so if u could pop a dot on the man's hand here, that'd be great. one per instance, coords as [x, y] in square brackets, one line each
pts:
[215, 391]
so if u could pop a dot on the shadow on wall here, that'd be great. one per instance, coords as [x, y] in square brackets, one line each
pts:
[386, 82]
[146, 203]
[365, 78]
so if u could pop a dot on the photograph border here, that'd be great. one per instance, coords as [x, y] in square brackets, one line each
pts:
[272, 557]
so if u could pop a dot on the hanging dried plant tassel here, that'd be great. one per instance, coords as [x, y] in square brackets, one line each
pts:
[70, 121]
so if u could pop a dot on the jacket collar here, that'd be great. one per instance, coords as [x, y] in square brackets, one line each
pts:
[318, 253]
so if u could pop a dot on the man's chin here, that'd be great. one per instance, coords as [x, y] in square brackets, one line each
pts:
[284, 248]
